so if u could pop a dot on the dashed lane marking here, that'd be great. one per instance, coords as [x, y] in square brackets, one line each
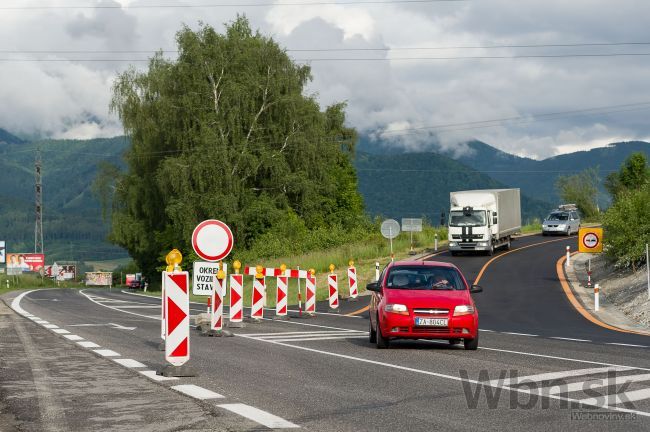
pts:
[151, 374]
[130, 363]
[60, 331]
[50, 326]
[88, 344]
[73, 337]
[196, 392]
[626, 344]
[520, 334]
[257, 415]
[569, 339]
[107, 353]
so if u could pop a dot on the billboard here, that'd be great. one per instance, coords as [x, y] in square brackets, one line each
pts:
[2, 252]
[65, 271]
[18, 263]
[99, 278]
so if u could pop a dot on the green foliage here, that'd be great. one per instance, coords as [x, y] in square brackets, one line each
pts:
[580, 189]
[627, 226]
[225, 132]
[633, 175]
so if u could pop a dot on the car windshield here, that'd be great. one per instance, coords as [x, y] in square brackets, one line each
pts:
[424, 278]
[459, 218]
[557, 217]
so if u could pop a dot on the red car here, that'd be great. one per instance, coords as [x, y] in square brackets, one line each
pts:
[423, 300]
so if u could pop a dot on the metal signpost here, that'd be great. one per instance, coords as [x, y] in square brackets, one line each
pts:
[411, 225]
[390, 229]
[590, 240]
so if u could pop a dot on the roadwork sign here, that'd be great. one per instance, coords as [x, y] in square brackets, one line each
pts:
[203, 277]
[590, 240]
[212, 240]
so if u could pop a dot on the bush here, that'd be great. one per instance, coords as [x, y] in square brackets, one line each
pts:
[627, 227]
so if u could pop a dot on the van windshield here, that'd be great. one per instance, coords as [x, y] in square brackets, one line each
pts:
[424, 278]
[458, 218]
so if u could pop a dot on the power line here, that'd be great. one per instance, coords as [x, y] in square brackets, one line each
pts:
[220, 5]
[343, 59]
[383, 49]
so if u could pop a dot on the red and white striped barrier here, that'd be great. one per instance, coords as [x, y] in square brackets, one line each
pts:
[177, 313]
[310, 294]
[162, 308]
[257, 305]
[332, 281]
[252, 271]
[352, 281]
[236, 298]
[216, 321]
[281, 297]
[296, 274]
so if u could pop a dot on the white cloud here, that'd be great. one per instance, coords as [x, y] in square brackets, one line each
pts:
[70, 98]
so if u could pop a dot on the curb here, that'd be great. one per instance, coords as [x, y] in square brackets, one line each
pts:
[608, 314]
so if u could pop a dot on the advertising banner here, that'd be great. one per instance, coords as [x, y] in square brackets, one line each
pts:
[99, 278]
[3, 258]
[65, 271]
[25, 262]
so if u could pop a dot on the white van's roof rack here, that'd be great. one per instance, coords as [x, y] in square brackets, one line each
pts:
[567, 207]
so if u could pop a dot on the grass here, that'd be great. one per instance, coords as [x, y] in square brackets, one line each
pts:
[23, 282]
[108, 265]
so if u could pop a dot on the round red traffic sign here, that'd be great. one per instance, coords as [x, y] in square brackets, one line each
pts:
[590, 240]
[212, 240]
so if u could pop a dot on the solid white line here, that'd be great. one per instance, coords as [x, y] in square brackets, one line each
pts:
[107, 353]
[598, 383]
[257, 415]
[560, 358]
[321, 338]
[569, 339]
[73, 337]
[138, 307]
[88, 344]
[519, 334]
[557, 375]
[130, 363]
[60, 331]
[15, 304]
[157, 318]
[34, 318]
[627, 345]
[486, 330]
[151, 374]
[450, 377]
[50, 326]
[196, 392]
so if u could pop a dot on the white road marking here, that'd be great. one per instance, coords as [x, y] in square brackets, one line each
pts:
[570, 339]
[598, 383]
[138, 307]
[558, 375]
[152, 375]
[73, 337]
[60, 331]
[305, 334]
[196, 392]
[257, 415]
[520, 334]
[627, 345]
[614, 399]
[107, 353]
[41, 322]
[486, 330]
[50, 326]
[452, 377]
[35, 318]
[157, 318]
[130, 363]
[322, 338]
[88, 344]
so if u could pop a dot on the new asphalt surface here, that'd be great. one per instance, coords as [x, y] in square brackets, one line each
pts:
[322, 373]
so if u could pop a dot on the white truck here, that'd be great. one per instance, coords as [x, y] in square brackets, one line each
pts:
[483, 220]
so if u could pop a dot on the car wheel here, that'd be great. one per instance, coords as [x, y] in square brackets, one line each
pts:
[454, 341]
[568, 231]
[471, 344]
[372, 334]
[544, 233]
[382, 342]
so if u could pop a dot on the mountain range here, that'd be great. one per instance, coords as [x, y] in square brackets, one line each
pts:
[393, 183]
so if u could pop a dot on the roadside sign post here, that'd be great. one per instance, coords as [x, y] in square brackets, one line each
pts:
[568, 256]
[590, 240]
[376, 270]
[596, 297]
[411, 225]
[435, 243]
[390, 229]
[212, 240]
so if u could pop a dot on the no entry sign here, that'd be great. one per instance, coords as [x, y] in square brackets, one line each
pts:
[590, 240]
[212, 240]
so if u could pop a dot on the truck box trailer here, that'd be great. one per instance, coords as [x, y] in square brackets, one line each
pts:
[483, 220]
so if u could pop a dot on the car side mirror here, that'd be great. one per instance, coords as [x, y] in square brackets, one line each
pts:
[373, 286]
[476, 289]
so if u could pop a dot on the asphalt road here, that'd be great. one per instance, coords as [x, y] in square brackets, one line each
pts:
[322, 374]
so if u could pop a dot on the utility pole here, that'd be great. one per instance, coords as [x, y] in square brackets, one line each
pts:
[38, 228]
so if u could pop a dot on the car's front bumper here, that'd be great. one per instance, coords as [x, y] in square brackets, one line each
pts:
[554, 229]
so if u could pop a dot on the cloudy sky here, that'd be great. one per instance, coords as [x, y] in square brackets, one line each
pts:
[534, 78]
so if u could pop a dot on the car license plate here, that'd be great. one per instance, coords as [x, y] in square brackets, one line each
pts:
[431, 322]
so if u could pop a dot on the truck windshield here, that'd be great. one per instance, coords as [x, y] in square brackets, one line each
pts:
[459, 219]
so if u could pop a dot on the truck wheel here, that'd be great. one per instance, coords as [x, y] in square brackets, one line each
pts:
[490, 251]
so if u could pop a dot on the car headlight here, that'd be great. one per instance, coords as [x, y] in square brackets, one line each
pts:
[453, 244]
[461, 310]
[399, 309]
